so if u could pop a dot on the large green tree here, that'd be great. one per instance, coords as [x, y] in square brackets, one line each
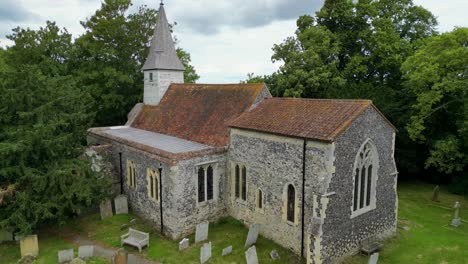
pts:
[437, 76]
[43, 120]
[110, 56]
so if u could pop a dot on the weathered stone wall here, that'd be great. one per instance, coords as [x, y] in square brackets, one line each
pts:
[342, 234]
[272, 163]
[155, 90]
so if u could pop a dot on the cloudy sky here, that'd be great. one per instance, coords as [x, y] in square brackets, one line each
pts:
[226, 38]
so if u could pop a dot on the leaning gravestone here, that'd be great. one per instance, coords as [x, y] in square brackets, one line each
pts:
[227, 251]
[201, 232]
[5, 236]
[106, 209]
[65, 255]
[374, 258]
[184, 244]
[205, 252]
[85, 252]
[29, 246]
[251, 255]
[456, 221]
[435, 194]
[274, 255]
[121, 204]
[253, 235]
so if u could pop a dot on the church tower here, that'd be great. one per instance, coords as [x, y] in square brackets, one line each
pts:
[162, 67]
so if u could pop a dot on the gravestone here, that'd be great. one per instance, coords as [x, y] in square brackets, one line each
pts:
[29, 246]
[120, 257]
[274, 255]
[184, 244]
[227, 251]
[252, 235]
[251, 255]
[106, 209]
[121, 204]
[65, 255]
[85, 252]
[456, 221]
[201, 232]
[205, 252]
[5, 236]
[373, 258]
[435, 194]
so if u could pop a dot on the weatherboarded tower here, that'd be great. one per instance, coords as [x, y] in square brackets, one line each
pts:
[162, 67]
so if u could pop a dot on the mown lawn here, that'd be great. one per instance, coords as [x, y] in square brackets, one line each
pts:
[430, 238]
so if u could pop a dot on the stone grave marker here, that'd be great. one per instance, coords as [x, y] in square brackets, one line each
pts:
[274, 255]
[227, 251]
[435, 194]
[85, 252]
[252, 235]
[65, 255]
[184, 244]
[5, 236]
[106, 209]
[120, 257]
[251, 255]
[29, 246]
[456, 221]
[374, 258]
[201, 232]
[205, 252]
[121, 204]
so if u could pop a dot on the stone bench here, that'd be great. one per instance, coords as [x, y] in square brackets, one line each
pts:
[135, 238]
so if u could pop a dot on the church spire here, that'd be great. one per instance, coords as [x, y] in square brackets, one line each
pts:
[162, 54]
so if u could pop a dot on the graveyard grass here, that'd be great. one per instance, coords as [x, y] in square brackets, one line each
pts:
[430, 239]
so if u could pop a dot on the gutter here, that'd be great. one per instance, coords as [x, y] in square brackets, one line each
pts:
[303, 195]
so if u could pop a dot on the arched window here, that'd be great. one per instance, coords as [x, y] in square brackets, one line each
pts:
[131, 174]
[152, 187]
[260, 199]
[244, 183]
[365, 179]
[291, 197]
[237, 182]
[201, 185]
[209, 183]
[153, 184]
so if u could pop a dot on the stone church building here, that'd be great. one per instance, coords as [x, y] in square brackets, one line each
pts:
[318, 175]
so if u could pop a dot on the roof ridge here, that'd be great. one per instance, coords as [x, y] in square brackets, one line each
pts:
[220, 84]
[319, 99]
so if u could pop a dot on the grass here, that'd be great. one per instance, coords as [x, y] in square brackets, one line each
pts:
[430, 238]
[223, 234]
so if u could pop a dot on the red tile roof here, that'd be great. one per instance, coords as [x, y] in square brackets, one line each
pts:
[199, 112]
[322, 120]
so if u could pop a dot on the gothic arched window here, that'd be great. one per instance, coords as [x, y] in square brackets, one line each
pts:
[244, 183]
[201, 184]
[209, 183]
[365, 179]
[291, 197]
[237, 181]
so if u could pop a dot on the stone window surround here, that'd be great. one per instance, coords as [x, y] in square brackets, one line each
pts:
[205, 165]
[152, 173]
[233, 182]
[131, 174]
[257, 195]
[285, 204]
[375, 168]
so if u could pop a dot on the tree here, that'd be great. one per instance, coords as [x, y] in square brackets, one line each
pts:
[437, 76]
[110, 56]
[43, 121]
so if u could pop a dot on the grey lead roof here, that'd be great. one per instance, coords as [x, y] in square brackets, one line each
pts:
[162, 54]
[156, 140]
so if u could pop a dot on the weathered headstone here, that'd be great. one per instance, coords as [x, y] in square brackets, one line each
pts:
[65, 255]
[252, 235]
[373, 258]
[184, 244]
[106, 209]
[201, 232]
[227, 251]
[85, 252]
[251, 255]
[120, 257]
[456, 221]
[274, 255]
[205, 252]
[435, 194]
[5, 236]
[121, 204]
[29, 246]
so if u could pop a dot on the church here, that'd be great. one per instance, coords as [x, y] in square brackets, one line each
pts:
[319, 176]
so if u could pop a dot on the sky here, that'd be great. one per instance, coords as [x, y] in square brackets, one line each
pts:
[227, 39]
